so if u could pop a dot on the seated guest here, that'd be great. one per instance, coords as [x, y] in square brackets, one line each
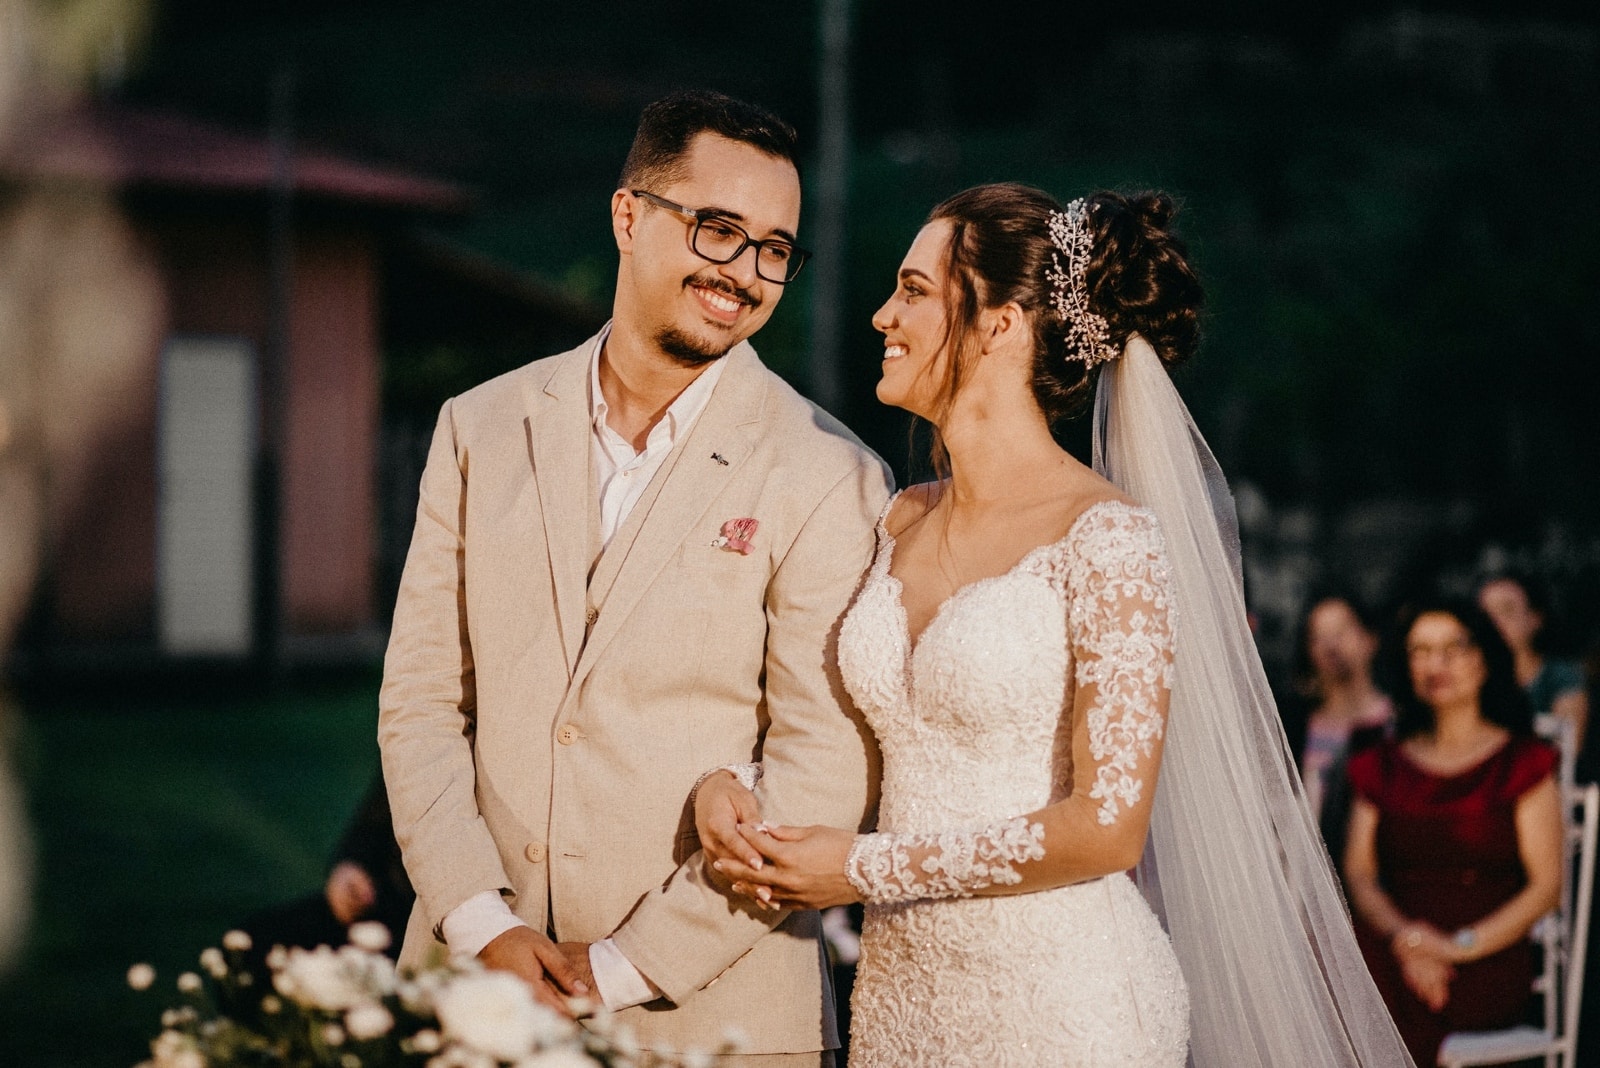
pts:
[1555, 687]
[1348, 711]
[1455, 838]
[366, 881]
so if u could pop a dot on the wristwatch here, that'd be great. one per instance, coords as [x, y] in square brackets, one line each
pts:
[1466, 939]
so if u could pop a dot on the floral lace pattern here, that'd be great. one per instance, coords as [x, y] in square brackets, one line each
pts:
[956, 864]
[1122, 630]
[971, 721]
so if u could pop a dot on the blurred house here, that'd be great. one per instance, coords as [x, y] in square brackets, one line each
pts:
[236, 513]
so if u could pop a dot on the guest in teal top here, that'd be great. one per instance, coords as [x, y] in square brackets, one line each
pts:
[1555, 688]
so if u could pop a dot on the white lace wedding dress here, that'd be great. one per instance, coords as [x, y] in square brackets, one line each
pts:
[975, 727]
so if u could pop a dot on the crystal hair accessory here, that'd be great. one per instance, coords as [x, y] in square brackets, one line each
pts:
[1088, 334]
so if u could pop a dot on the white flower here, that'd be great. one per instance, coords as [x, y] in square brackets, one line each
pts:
[174, 1050]
[565, 1057]
[333, 1034]
[271, 1005]
[211, 960]
[350, 1060]
[238, 941]
[277, 957]
[320, 978]
[370, 935]
[624, 1041]
[188, 982]
[425, 1041]
[140, 976]
[368, 1020]
[494, 1013]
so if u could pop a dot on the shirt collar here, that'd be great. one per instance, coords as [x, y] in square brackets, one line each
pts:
[680, 413]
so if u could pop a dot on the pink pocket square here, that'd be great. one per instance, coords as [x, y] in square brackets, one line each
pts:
[736, 536]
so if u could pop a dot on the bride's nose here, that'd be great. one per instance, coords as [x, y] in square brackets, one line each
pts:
[883, 318]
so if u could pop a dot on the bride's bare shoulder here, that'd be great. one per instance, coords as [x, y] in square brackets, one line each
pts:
[912, 504]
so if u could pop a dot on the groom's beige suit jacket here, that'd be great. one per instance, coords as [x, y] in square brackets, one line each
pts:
[542, 726]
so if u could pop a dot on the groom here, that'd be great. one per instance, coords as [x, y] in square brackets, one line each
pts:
[628, 568]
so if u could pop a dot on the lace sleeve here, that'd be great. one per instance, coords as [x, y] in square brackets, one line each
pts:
[890, 868]
[749, 776]
[1120, 623]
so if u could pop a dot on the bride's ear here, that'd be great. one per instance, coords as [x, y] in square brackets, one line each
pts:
[1004, 328]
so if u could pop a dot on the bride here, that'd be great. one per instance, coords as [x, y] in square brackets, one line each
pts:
[1055, 662]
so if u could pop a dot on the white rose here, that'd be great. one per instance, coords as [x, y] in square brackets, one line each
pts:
[188, 982]
[277, 957]
[271, 1005]
[140, 976]
[319, 978]
[211, 960]
[374, 971]
[238, 941]
[370, 935]
[333, 1034]
[495, 1014]
[368, 1020]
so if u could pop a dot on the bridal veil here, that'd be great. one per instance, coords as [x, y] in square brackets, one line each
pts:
[1234, 865]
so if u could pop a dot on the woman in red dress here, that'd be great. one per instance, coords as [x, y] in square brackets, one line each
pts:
[1454, 848]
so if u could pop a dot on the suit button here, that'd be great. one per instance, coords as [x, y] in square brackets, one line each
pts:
[591, 615]
[535, 853]
[567, 734]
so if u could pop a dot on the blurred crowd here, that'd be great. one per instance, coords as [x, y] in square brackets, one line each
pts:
[1441, 750]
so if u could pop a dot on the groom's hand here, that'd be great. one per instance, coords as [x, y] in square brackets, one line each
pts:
[541, 964]
[721, 806]
[577, 954]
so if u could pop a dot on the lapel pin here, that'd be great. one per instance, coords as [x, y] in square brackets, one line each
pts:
[717, 456]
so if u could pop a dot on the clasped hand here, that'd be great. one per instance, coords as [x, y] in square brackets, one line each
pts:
[1425, 955]
[775, 867]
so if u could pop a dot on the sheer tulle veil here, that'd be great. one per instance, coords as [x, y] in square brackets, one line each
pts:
[1234, 865]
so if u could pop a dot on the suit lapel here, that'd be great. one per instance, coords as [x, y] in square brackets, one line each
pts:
[690, 480]
[558, 446]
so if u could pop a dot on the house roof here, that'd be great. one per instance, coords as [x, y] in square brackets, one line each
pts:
[134, 148]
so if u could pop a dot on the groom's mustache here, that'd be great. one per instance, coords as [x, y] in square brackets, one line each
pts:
[725, 287]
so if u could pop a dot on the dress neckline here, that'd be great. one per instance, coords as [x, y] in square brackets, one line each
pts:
[1471, 769]
[897, 588]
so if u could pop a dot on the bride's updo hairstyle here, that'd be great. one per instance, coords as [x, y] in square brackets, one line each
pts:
[1138, 280]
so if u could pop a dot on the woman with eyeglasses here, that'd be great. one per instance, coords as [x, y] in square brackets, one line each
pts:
[1454, 846]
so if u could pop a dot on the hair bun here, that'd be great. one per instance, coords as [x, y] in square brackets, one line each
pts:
[1154, 210]
[1139, 278]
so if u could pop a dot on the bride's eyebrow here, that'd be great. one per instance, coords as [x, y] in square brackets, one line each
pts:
[908, 273]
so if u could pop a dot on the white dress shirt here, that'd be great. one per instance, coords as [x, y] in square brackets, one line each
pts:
[622, 476]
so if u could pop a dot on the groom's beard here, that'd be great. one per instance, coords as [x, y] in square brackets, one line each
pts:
[695, 351]
[687, 349]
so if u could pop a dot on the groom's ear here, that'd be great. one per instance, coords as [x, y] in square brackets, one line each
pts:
[624, 214]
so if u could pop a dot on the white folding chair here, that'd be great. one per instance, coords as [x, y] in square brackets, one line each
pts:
[1565, 935]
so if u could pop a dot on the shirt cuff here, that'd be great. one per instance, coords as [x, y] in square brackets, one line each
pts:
[477, 921]
[622, 986]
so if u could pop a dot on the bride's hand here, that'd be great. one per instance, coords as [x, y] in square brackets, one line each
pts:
[803, 869]
[721, 806]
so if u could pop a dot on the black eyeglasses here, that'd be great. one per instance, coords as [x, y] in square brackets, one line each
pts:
[721, 241]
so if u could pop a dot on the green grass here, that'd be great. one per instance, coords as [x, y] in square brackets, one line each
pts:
[158, 824]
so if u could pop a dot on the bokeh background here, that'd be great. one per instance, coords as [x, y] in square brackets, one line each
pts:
[247, 249]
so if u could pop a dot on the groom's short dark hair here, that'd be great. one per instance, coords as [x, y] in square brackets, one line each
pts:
[667, 127]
